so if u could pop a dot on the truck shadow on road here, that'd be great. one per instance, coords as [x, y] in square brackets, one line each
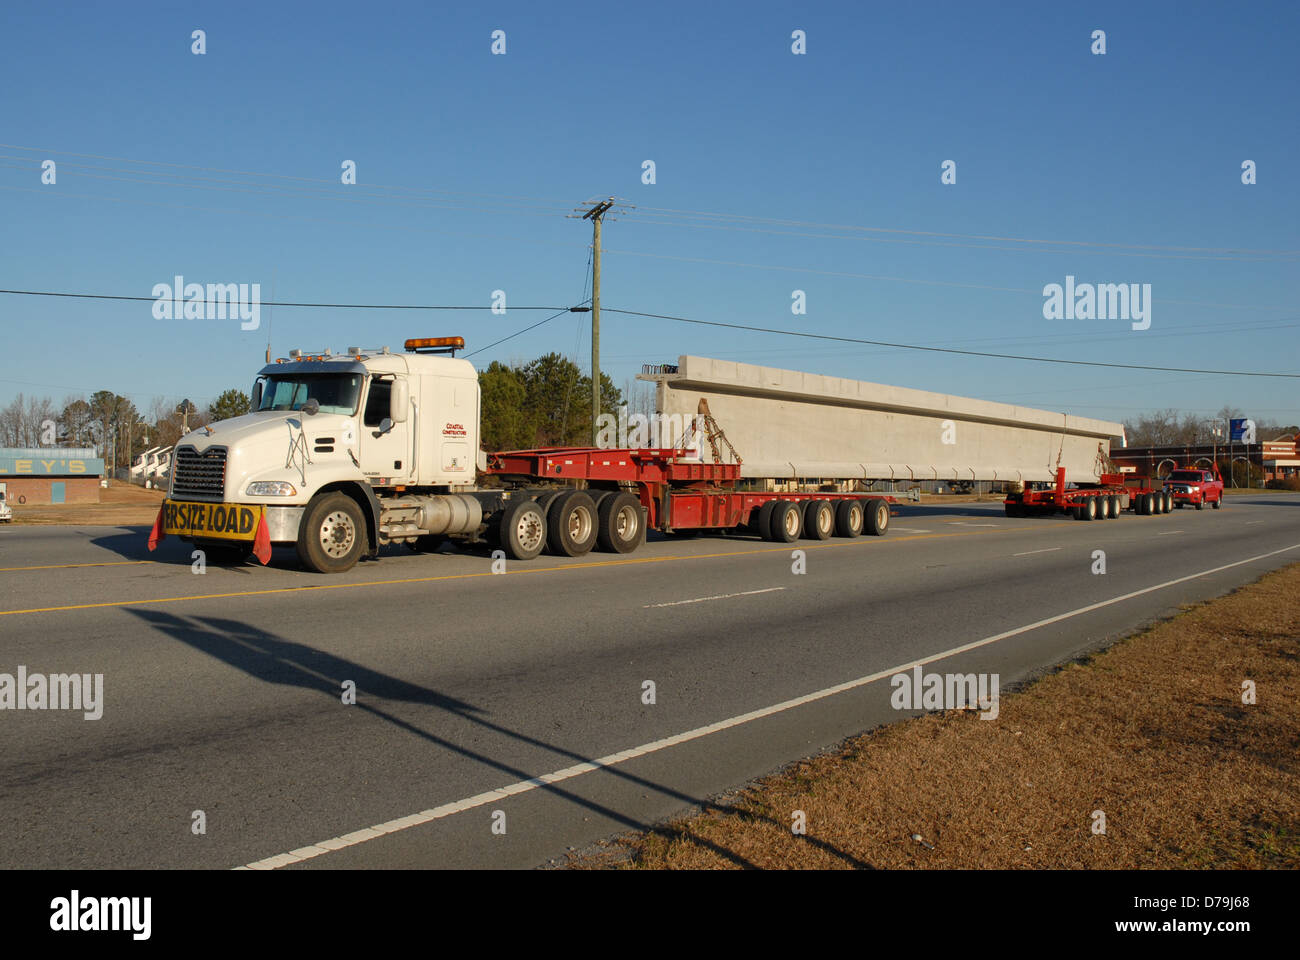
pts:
[274, 659]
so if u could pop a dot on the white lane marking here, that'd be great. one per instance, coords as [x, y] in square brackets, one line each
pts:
[912, 530]
[613, 759]
[1030, 553]
[1249, 522]
[963, 523]
[1168, 533]
[721, 596]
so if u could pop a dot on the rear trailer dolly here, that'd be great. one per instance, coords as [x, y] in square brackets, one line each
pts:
[1101, 499]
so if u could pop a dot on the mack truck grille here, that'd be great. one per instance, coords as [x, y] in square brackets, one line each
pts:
[199, 474]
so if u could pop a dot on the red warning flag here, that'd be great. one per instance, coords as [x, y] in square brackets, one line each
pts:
[156, 535]
[262, 541]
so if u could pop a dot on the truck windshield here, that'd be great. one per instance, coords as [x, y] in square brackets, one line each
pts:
[335, 392]
[1193, 475]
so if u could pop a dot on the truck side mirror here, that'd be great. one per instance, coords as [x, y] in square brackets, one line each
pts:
[398, 401]
[257, 396]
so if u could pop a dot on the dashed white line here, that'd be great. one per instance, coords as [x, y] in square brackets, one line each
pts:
[524, 786]
[1168, 533]
[1030, 553]
[911, 530]
[721, 596]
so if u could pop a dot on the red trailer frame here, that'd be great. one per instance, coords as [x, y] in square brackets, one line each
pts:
[677, 493]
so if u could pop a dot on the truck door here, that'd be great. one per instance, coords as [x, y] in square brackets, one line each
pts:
[384, 455]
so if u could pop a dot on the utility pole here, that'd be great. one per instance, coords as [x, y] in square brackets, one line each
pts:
[595, 215]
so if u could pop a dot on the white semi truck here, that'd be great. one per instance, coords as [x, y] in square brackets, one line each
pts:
[342, 454]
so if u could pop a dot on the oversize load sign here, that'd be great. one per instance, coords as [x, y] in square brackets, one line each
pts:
[221, 521]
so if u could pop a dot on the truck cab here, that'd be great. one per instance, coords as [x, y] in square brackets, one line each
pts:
[338, 455]
[1196, 486]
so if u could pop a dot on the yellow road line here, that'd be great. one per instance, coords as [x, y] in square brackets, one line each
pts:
[65, 566]
[469, 576]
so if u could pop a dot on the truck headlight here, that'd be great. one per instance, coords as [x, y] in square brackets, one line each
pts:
[271, 488]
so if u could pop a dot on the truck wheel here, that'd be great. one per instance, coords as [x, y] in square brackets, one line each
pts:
[1200, 504]
[621, 527]
[522, 529]
[1218, 503]
[877, 517]
[332, 536]
[1169, 501]
[849, 518]
[818, 520]
[571, 524]
[763, 520]
[1088, 509]
[786, 521]
[1115, 508]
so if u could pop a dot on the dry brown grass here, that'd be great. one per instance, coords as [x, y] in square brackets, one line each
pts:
[1153, 732]
[121, 504]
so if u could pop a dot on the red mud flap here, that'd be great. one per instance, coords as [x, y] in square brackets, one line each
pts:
[262, 541]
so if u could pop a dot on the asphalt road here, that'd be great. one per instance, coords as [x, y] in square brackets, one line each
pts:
[223, 692]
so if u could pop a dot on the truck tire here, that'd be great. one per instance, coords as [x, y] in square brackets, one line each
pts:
[877, 517]
[1115, 508]
[571, 524]
[621, 527]
[332, 535]
[849, 518]
[762, 523]
[522, 529]
[818, 520]
[1200, 504]
[1219, 502]
[1169, 501]
[787, 521]
[1088, 509]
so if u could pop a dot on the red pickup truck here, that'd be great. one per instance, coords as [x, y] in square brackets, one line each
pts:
[1196, 486]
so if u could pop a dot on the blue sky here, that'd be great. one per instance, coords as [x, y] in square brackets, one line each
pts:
[1140, 147]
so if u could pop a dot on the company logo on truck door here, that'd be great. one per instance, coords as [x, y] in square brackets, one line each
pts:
[455, 430]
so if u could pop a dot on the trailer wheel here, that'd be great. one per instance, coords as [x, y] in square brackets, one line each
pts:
[1075, 511]
[1013, 509]
[332, 535]
[1169, 501]
[849, 518]
[621, 528]
[571, 524]
[1146, 505]
[522, 529]
[1115, 508]
[877, 517]
[787, 521]
[818, 520]
[1088, 509]
[763, 520]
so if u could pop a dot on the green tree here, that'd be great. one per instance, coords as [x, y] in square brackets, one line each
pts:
[231, 403]
[506, 422]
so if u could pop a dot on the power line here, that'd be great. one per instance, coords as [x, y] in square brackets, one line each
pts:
[968, 353]
[281, 303]
[577, 309]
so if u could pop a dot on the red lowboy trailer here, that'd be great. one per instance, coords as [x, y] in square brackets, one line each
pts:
[679, 494]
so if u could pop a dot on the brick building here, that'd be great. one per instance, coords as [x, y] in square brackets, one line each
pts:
[39, 475]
